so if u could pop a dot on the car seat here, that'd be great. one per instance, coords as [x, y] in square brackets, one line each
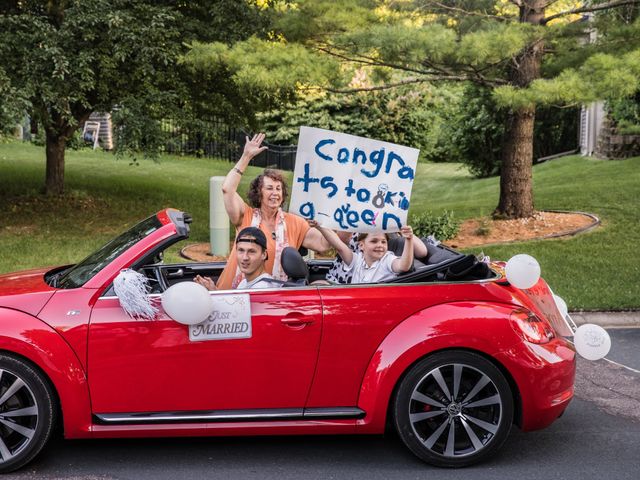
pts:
[435, 253]
[294, 266]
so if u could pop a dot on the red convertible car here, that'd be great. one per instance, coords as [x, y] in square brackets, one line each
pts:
[449, 354]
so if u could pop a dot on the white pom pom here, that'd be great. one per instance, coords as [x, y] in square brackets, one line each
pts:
[132, 288]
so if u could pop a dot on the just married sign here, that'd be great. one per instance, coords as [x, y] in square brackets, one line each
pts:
[352, 183]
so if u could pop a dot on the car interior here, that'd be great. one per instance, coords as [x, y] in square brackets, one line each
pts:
[442, 264]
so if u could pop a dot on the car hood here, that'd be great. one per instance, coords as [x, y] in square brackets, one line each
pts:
[25, 291]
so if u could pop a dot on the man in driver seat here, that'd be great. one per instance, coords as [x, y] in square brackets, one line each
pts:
[251, 251]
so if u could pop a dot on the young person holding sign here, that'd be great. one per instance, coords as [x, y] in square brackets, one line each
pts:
[374, 262]
[339, 271]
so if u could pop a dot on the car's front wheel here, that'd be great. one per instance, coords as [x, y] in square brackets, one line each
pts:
[26, 413]
[453, 409]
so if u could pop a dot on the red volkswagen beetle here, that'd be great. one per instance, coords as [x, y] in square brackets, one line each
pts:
[449, 354]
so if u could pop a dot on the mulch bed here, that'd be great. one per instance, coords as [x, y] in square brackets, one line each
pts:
[544, 224]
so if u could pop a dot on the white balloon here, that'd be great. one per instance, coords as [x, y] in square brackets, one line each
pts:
[523, 271]
[562, 305]
[188, 303]
[592, 341]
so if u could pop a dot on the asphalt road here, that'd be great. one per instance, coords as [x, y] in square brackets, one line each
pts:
[625, 343]
[597, 438]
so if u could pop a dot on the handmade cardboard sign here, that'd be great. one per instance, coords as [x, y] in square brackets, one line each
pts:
[352, 183]
[230, 318]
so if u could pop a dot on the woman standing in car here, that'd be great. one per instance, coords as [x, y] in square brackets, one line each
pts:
[267, 194]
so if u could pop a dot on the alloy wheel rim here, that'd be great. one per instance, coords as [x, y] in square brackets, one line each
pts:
[455, 410]
[18, 415]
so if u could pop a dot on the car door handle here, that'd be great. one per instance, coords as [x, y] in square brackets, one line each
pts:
[296, 321]
[177, 274]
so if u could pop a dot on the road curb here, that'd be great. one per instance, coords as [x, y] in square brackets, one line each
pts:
[608, 319]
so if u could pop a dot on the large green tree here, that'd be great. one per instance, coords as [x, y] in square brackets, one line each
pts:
[63, 59]
[527, 52]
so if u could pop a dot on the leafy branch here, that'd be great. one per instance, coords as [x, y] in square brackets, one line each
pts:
[589, 9]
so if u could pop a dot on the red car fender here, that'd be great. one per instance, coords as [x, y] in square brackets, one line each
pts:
[28, 337]
[482, 327]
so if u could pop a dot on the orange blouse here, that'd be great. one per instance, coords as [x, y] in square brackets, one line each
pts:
[297, 228]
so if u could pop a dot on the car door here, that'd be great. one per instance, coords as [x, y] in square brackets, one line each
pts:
[356, 320]
[153, 366]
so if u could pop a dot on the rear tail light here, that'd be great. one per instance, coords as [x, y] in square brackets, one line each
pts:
[530, 327]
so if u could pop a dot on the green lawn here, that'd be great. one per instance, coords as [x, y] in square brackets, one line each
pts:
[597, 270]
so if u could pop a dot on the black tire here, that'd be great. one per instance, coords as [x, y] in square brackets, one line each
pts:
[27, 413]
[449, 425]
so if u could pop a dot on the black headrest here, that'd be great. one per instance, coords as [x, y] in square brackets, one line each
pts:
[439, 253]
[395, 244]
[294, 265]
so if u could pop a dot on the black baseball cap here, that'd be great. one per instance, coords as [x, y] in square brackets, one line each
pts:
[258, 235]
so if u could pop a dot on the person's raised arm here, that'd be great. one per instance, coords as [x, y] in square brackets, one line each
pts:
[345, 236]
[233, 203]
[316, 241]
[419, 248]
[333, 240]
[404, 263]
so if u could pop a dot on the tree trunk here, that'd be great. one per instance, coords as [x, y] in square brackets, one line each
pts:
[516, 188]
[33, 125]
[54, 182]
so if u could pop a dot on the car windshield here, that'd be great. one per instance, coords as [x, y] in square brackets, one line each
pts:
[81, 273]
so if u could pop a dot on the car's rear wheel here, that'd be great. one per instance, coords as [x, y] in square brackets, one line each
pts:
[26, 413]
[453, 409]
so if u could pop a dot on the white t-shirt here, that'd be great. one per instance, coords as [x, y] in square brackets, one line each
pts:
[261, 281]
[377, 271]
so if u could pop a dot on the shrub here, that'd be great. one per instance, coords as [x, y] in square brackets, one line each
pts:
[625, 112]
[475, 131]
[443, 227]
[12, 105]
